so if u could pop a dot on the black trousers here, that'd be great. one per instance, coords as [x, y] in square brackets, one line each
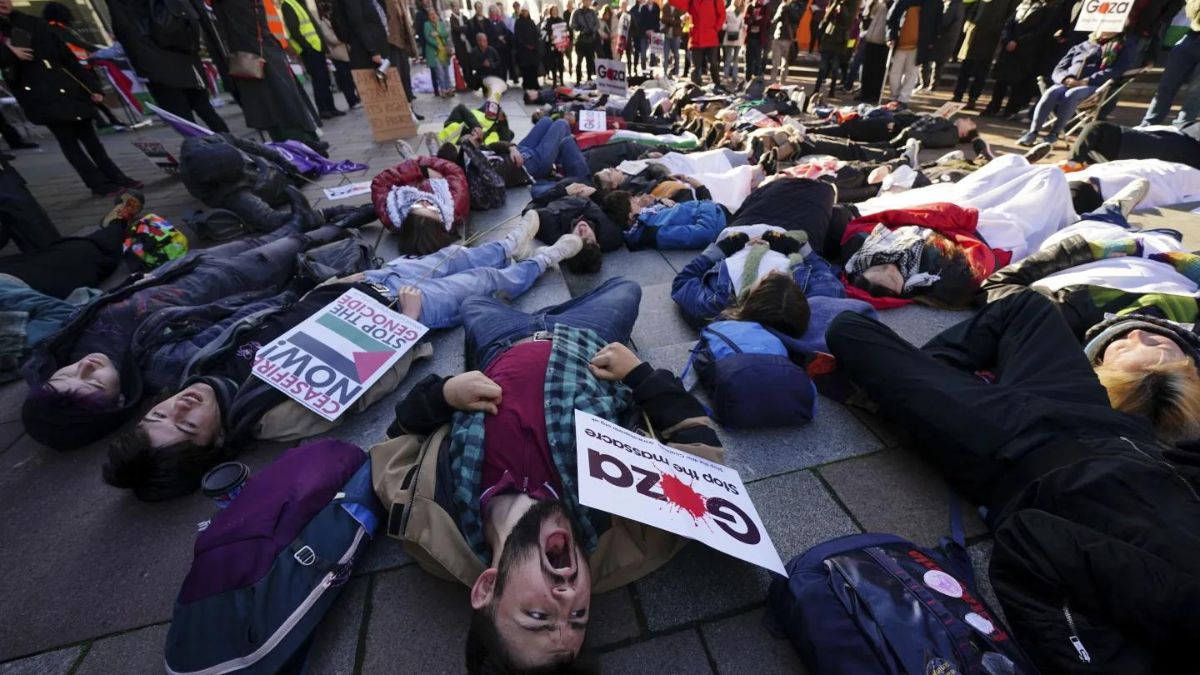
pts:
[706, 57]
[874, 64]
[70, 263]
[318, 72]
[847, 150]
[1045, 389]
[588, 53]
[529, 78]
[185, 102]
[22, 218]
[87, 155]
[755, 55]
[972, 74]
[399, 59]
[345, 82]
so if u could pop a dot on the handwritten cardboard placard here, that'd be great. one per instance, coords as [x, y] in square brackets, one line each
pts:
[949, 109]
[331, 359]
[385, 104]
[635, 477]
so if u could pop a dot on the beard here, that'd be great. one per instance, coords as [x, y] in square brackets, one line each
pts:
[524, 541]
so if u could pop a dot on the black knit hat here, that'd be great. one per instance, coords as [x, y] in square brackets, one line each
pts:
[58, 421]
[1098, 337]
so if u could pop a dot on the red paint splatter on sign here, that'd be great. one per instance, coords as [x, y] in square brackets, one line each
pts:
[683, 497]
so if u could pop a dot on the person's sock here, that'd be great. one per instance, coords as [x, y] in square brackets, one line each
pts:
[1187, 264]
[1116, 248]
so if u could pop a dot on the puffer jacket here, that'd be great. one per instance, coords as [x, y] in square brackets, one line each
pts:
[1085, 61]
[559, 217]
[708, 17]
[690, 225]
[415, 172]
[214, 167]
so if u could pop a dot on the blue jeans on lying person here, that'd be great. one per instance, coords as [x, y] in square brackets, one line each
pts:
[550, 142]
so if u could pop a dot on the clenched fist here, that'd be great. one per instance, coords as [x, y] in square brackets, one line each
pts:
[614, 362]
[472, 392]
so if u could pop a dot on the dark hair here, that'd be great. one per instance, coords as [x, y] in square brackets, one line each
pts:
[156, 474]
[587, 261]
[874, 290]
[64, 421]
[957, 283]
[775, 302]
[421, 234]
[56, 11]
[487, 653]
[618, 206]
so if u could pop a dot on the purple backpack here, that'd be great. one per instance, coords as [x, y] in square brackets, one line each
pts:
[268, 567]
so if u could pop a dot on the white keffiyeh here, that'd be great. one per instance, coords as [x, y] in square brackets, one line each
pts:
[401, 198]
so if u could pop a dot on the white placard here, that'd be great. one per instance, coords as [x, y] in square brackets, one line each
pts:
[347, 191]
[949, 109]
[656, 45]
[635, 477]
[560, 37]
[327, 362]
[610, 77]
[593, 120]
[1104, 15]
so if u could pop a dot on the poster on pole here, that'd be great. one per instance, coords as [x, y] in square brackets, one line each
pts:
[1104, 15]
[561, 37]
[610, 77]
[635, 477]
[331, 359]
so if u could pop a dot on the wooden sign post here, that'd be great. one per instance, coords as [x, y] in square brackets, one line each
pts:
[386, 105]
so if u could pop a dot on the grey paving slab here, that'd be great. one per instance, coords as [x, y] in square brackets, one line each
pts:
[50, 663]
[679, 259]
[659, 321]
[646, 267]
[418, 624]
[917, 323]
[550, 290]
[981, 558]
[383, 553]
[138, 652]
[740, 645]
[612, 619]
[897, 493]
[678, 653]
[699, 583]
[335, 643]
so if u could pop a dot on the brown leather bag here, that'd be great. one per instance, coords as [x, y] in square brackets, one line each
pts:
[248, 65]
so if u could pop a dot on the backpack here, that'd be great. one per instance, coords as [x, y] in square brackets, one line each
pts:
[268, 567]
[879, 604]
[151, 241]
[749, 377]
[485, 185]
[174, 25]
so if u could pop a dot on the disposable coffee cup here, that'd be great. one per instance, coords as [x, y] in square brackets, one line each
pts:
[224, 482]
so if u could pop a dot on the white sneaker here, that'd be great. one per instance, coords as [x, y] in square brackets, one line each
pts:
[1128, 197]
[404, 150]
[519, 242]
[952, 156]
[912, 152]
[567, 246]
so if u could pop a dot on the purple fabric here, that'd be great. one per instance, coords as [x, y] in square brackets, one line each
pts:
[240, 545]
[181, 126]
[308, 161]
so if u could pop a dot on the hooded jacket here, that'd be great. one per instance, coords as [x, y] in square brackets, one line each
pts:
[414, 173]
[690, 225]
[708, 19]
[1085, 61]
[559, 217]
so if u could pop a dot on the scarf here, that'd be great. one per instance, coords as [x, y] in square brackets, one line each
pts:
[902, 247]
[401, 198]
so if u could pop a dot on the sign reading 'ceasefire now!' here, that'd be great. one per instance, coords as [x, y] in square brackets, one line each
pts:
[331, 359]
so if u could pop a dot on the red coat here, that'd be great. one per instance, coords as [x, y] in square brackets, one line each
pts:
[708, 19]
[413, 172]
[953, 221]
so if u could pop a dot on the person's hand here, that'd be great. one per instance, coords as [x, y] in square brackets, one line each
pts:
[472, 392]
[613, 362]
[22, 53]
[891, 44]
[410, 302]
[733, 243]
[377, 59]
[516, 156]
[97, 98]
[477, 134]
[666, 202]
[580, 190]
[781, 243]
[1011, 46]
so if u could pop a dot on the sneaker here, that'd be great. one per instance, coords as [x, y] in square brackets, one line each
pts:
[519, 242]
[982, 149]
[1038, 152]
[1127, 198]
[952, 156]
[126, 207]
[404, 149]
[1027, 139]
[912, 152]
[567, 246]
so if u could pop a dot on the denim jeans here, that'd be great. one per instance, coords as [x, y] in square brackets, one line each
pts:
[1183, 63]
[492, 326]
[452, 275]
[1063, 102]
[549, 143]
[671, 55]
[730, 57]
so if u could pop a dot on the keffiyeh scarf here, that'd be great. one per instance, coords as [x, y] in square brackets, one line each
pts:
[401, 198]
[902, 247]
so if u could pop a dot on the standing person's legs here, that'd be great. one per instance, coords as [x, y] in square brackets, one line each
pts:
[980, 78]
[905, 62]
[442, 298]
[400, 61]
[874, 63]
[318, 71]
[345, 82]
[198, 101]
[171, 99]
[671, 55]
[67, 136]
[697, 66]
[1190, 110]
[779, 60]
[93, 146]
[713, 55]
[1181, 60]
[966, 70]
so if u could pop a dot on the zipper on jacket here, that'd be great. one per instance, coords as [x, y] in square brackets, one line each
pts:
[1080, 651]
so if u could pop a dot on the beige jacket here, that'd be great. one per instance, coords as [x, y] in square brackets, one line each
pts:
[400, 27]
[338, 51]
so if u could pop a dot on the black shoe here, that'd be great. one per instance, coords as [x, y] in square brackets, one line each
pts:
[957, 98]
[130, 183]
[971, 105]
[770, 162]
[419, 116]
[1038, 152]
[982, 149]
[990, 111]
[23, 145]
[325, 115]
[338, 113]
[109, 191]
[7, 157]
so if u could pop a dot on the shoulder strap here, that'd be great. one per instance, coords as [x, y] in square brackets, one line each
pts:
[727, 341]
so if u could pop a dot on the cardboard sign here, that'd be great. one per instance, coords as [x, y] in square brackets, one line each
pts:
[593, 120]
[347, 191]
[1104, 15]
[327, 362]
[386, 105]
[949, 109]
[610, 77]
[158, 156]
[561, 37]
[629, 475]
[657, 45]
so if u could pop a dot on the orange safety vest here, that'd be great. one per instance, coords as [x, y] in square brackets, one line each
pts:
[275, 22]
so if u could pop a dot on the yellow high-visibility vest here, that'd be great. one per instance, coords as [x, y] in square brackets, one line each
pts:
[308, 31]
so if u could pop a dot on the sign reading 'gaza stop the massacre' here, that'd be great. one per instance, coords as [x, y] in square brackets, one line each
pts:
[610, 77]
[1107, 16]
[629, 475]
[331, 359]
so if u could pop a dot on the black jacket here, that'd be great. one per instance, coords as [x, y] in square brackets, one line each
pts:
[527, 44]
[1030, 28]
[53, 87]
[487, 64]
[559, 217]
[357, 23]
[130, 19]
[647, 17]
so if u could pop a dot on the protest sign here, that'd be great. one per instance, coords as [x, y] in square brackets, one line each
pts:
[656, 45]
[593, 120]
[610, 77]
[386, 105]
[1103, 15]
[635, 477]
[347, 191]
[560, 37]
[949, 109]
[159, 156]
[327, 362]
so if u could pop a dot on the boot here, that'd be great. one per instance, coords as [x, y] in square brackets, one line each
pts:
[356, 217]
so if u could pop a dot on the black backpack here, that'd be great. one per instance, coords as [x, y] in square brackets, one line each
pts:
[174, 25]
[486, 186]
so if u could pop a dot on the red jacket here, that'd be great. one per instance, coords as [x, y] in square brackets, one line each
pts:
[414, 172]
[708, 19]
[953, 221]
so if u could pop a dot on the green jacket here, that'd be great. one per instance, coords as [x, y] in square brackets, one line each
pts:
[433, 33]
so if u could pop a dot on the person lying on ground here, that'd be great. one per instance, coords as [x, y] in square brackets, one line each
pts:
[217, 405]
[425, 201]
[518, 536]
[931, 130]
[580, 216]
[548, 146]
[1092, 516]
[661, 223]
[489, 120]
[727, 176]
[758, 273]
[1170, 183]
[1105, 142]
[89, 377]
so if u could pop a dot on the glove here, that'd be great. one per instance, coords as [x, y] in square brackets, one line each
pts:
[781, 243]
[733, 243]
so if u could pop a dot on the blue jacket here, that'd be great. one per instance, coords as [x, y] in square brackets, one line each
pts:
[1083, 62]
[689, 225]
[704, 289]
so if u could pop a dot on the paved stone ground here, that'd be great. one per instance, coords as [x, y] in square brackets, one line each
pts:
[90, 574]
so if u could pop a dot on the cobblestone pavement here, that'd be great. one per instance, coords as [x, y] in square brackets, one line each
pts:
[90, 574]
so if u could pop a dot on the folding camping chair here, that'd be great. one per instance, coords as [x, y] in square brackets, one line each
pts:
[1089, 110]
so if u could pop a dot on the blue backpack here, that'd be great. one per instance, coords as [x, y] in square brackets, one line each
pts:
[750, 378]
[267, 568]
[877, 604]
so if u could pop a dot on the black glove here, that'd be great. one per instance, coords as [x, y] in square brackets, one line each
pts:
[733, 243]
[781, 243]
